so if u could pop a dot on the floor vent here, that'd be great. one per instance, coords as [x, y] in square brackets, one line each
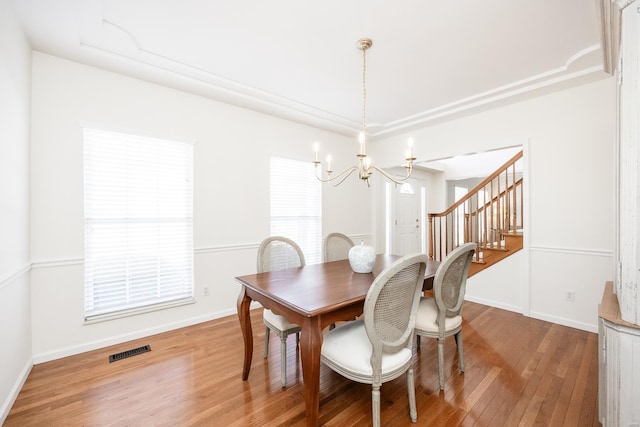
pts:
[129, 353]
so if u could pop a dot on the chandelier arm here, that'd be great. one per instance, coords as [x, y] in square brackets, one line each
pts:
[351, 170]
[393, 178]
[347, 171]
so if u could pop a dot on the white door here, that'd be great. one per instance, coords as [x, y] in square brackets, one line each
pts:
[406, 221]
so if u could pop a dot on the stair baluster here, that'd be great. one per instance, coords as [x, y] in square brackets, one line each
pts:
[490, 215]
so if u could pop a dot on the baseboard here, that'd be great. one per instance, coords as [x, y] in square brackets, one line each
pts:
[94, 345]
[495, 304]
[565, 322]
[15, 390]
[535, 315]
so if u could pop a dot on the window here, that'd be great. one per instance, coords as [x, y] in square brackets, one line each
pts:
[138, 216]
[296, 205]
[407, 188]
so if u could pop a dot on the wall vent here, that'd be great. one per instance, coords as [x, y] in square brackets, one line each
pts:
[129, 353]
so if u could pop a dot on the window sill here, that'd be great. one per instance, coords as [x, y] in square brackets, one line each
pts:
[89, 320]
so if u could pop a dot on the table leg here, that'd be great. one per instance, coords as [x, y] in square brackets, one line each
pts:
[310, 347]
[247, 333]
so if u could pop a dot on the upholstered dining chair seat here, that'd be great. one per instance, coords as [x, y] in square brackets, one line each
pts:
[279, 253]
[278, 321]
[441, 316]
[428, 314]
[349, 347]
[377, 348]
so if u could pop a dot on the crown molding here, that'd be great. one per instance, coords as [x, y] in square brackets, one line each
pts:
[610, 17]
[165, 71]
[159, 69]
[496, 95]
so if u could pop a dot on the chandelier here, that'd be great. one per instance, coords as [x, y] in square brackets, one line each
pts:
[365, 168]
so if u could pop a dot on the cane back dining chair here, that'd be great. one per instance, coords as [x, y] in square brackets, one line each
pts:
[279, 253]
[441, 316]
[378, 349]
[336, 246]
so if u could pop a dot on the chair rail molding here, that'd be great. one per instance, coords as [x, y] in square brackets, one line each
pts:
[11, 277]
[54, 263]
[572, 251]
[226, 248]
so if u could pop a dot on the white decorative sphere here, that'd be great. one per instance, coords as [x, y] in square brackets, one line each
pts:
[362, 258]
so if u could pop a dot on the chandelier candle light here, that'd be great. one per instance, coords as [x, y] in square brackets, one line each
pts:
[365, 168]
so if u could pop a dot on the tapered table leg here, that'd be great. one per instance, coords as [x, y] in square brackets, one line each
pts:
[247, 333]
[310, 347]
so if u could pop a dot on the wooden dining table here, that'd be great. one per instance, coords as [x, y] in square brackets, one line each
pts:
[313, 297]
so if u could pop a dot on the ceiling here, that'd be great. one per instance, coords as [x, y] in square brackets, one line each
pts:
[474, 165]
[430, 60]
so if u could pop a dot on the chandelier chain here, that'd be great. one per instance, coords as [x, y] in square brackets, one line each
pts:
[364, 92]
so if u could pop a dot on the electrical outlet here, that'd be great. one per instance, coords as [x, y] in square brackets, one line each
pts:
[206, 291]
[571, 296]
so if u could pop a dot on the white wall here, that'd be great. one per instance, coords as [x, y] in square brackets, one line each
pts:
[231, 196]
[15, 316]
[569, 178]
[569, 136]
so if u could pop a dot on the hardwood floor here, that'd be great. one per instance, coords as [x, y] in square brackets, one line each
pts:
[519, 371]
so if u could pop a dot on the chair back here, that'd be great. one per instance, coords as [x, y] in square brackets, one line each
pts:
[391, 306]
[336, 247]
[279, 253]
[450, 281]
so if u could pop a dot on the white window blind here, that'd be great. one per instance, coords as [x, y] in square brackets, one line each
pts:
[138, 214]
[296, 205]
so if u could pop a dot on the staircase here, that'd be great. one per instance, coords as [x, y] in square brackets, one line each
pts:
[490, 215]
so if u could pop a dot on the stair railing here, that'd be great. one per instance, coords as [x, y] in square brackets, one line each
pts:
[490, 210]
